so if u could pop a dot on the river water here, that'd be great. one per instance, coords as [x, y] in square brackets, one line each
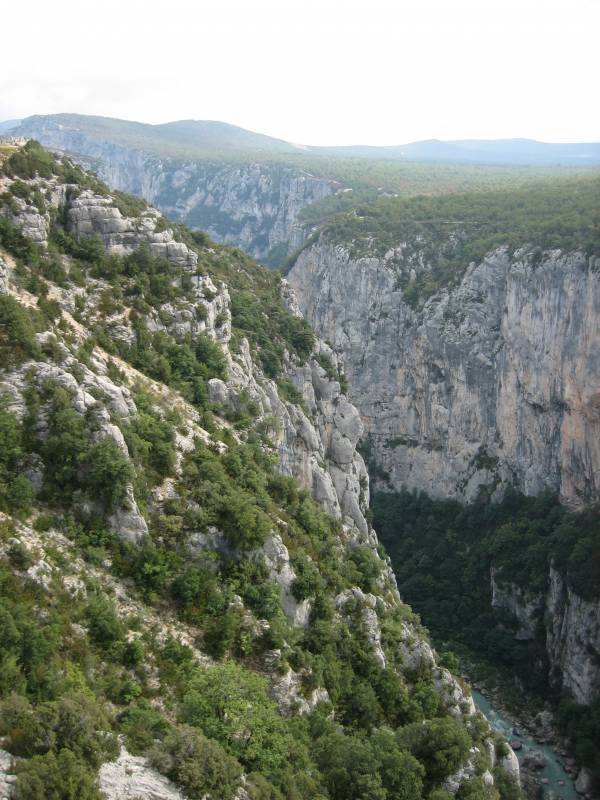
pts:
[555, 782]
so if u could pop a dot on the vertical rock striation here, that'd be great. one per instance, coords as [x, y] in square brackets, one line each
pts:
[252, 205]
[494, 382]
[568, 625]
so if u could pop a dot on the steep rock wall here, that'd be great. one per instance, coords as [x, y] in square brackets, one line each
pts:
[494, 382]
[251, 205]
[568, 625]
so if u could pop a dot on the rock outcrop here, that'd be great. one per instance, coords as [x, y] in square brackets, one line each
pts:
[3, 277]
[568, 625]
[252, 205]
[92, 215]
[494, 382]
[7, 777]
[131, 777]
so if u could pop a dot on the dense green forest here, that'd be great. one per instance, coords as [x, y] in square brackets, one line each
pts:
[442, 553]
[218, 143]
[435, 238]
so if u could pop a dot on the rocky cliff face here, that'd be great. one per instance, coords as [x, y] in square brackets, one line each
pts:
[495, 382]
[251, 205]
[567, 624]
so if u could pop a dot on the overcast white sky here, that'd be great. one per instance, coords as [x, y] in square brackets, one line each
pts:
[313, 71]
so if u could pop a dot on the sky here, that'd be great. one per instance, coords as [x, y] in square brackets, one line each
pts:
[313, 71]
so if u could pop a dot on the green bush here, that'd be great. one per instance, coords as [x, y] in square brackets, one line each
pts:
[110, 472]
[227, 701]
[141, 724]
[56, 777]
[103, 623]
[245, 526]
[199, 766]
[150, 440]
[75, 722]
[17, 332]
[441, 745]
[348, 768]
[30, 161]
[16, 492]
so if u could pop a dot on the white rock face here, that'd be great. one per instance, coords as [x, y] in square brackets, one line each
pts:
[316, 445]
[453, 782]
[277, 559]
[510, 763]
[3, 277]
[569, 624]
[7, 777]
[495, 382]
[573, 638]
[127, 520]
[525, 608]
[368, 604]
[584, 782]
[90, 214]
[286, 691]
[131, 778]
[254, 206]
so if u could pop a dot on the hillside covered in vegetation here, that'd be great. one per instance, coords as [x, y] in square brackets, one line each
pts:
[429, 241]
[192, 598]
[263, 194]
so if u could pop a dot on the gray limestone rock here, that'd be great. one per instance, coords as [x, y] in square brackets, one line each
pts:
[510, 763]
[496, 381]
[128, 521]
[584, 782]
[569, 625]
[131, 778]
[277, 559]
[573, 638]
[252, 205]
[90, 214]
[7, 777]
[3, 277]
[526, 608]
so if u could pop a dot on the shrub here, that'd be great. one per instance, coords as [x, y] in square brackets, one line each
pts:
[17, 332]
[104, 625]
[441, 745]
[151, 441]
[231, 704]
[56, 777]
[75, 722]
[199, 766]
[348, 768]
[110, 472]
[141, 725]
[29, 161]
[19, 556]
[245, 526]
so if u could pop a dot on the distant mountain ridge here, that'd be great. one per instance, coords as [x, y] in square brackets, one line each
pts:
[485, 151]
[189, 138]
[8, 124]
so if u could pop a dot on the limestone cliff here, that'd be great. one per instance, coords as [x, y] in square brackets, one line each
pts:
[568, 625]
[494, 382]
[237, 201]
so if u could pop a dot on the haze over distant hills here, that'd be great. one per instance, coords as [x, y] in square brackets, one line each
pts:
[8, 124]
[197, 138]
